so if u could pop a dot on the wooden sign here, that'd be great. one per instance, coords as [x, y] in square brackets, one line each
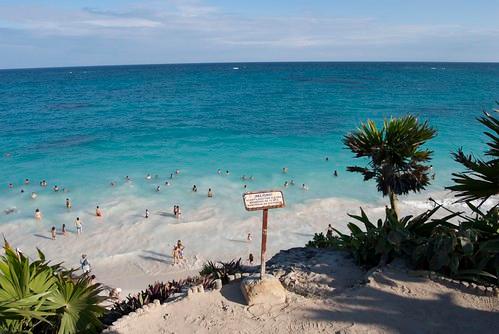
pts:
[263, 200]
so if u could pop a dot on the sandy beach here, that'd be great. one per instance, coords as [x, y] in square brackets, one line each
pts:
[394, 300]
[126, 250]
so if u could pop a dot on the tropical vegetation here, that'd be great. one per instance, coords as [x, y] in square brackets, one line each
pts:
[396, 160]
[461, 245]
[39, 297]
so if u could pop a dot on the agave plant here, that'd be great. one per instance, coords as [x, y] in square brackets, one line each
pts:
[480, 181]
[221, 270]
[37, 297]
[396, 159]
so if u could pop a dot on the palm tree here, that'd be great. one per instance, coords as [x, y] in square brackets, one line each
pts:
[481, 178]
[396, 159]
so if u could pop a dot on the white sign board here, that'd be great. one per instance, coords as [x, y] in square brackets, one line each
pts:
[261, 200]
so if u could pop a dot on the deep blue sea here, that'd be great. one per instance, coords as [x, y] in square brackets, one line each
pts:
[81, 128]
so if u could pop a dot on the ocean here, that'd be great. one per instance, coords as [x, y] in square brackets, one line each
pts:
[82, 128]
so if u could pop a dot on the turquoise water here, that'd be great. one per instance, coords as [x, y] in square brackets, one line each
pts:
[81, 128]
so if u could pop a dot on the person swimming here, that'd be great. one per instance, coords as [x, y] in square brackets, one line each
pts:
[113, 183]
[194, 188]
[292, 182]
[98, 212]
[177, 171]
[245, 186]
[167, 183]
[171, 176]
[148, 177]
[127, 178]
[22, 191]
[285, 170]
[227, 172]
[285, 184]
[26, 181]
[210, 193]
[219, 172]
[68, 203]
[52, 232]
[327, 158]
[56, 188]
[34, 195]
[11, 186]
[38, 214]
[304, 187]
[158, 189]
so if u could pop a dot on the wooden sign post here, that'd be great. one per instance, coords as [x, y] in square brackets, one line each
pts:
[263, 200]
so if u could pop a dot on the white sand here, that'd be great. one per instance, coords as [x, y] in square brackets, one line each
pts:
[392, 302]
[128, 251]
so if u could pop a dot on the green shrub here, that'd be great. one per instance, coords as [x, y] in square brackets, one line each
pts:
[36, 297]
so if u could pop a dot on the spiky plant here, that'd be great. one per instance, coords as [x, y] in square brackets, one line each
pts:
[480, 180]
[396, 160]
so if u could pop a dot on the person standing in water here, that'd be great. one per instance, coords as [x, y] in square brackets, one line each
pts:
[329, 233]
[210, 193]
[52, 232]
[38, 214]
[194, 188]
[34, 195]
[63, 230]
[78, 226]
[147, 214]
[335, 173]
[68, 203]
[98, 212]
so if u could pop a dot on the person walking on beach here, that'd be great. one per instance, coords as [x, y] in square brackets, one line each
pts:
[249, 237]
[147, 214]
[38, 214]
[63, 230]
[250, 259]
[85, 265]
[52, 232]
[210, 193]
[98, 212]
[78, 226]
[68, 203]
[180, 248]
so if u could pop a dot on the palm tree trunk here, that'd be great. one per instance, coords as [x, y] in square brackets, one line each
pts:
[393, 202]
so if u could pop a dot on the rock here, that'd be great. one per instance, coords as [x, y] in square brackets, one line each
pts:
[200, 288]
[218, 284]
[156, 302]
[191, 291]
[231, 278]
[237, 275]
[267, 291]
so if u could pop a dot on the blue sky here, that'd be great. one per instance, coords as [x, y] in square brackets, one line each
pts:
[90, 32]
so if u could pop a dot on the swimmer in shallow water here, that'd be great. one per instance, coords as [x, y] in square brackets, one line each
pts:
[285, 184]
[327, 158]
[167, 183]
[219, 172]
[34, 195]
[127, 178]
[98, 212]
[148, 177]
[113, 183]
[78, 225]
[11, 186]
[158, 189]
[227, 172]
[26, 181]
[304, 187]
[285, 170]
[38, 214]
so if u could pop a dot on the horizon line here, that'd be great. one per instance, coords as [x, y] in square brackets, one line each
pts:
[253, 62]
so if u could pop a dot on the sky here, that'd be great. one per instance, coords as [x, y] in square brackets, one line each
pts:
[40, 33]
